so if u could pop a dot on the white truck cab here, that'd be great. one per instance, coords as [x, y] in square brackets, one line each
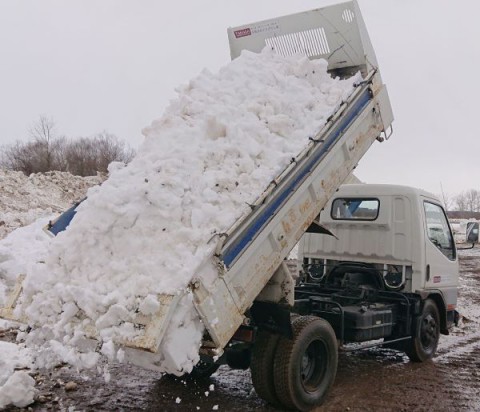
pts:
[401, 231]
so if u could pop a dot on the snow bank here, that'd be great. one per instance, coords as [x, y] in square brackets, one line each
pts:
[144, 232]
[26, 198]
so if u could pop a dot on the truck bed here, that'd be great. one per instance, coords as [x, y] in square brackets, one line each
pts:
[250, 254]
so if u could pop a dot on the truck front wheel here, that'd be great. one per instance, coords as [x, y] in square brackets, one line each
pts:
[305, 366]
[423, 344]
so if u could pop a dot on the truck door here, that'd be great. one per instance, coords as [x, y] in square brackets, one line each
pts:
[441, 256]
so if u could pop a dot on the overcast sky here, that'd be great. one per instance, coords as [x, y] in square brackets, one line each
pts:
[95, 65]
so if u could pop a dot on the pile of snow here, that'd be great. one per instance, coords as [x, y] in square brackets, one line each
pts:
[144, 232]
[17, 387]
[27, 204]
[24, 199]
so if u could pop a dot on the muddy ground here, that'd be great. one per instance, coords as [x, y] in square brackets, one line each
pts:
[368, 380]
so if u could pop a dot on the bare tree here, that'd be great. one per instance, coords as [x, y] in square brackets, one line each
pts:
[110, 149]
[448, 201]
[461, 202]
[47, 151]
[87, 156]
[41, 154]
[80, 157]
[46, 142]
[18, 157]
[473, 200]
[468, 201]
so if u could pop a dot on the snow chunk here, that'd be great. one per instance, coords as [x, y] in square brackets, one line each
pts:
[150, 305]
[16, 387]
[19, 390]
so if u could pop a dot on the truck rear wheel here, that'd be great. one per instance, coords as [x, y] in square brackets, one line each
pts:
[305, 367]
[426, 335]
[261, 366]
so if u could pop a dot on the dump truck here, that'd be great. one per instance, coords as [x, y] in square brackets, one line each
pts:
[370, 268]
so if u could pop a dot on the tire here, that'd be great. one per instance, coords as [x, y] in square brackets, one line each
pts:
[426, 335]
[261, 366]
[305, 367]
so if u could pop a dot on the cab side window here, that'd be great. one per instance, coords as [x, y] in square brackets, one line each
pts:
[438, 230]
[355, 209]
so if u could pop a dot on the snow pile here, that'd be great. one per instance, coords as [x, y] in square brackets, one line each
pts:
[145, 231]
[24, 199]
[16, 387]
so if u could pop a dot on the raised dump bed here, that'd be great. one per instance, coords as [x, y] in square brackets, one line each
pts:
[252, 251]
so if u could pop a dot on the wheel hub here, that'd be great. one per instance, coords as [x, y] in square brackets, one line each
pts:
[428, 332]
[313, 365]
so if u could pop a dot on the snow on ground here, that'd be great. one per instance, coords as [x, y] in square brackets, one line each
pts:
[145, 231]
[467, 307]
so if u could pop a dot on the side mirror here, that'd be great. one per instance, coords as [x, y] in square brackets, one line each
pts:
[472, 232]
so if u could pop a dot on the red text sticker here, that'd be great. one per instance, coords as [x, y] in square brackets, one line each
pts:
[242, 33]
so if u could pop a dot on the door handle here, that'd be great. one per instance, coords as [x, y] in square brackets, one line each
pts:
[428, 273]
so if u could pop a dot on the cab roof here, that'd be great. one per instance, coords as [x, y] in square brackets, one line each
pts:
[367, 189]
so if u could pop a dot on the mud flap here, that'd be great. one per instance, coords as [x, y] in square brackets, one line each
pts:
[272, 317]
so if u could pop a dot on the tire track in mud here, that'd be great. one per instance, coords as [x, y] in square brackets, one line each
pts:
[385, 380]
[451, 381]
[459, 345]
[460, 364]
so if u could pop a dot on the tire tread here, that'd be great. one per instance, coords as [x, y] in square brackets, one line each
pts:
[261, 366]
[283, 385]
